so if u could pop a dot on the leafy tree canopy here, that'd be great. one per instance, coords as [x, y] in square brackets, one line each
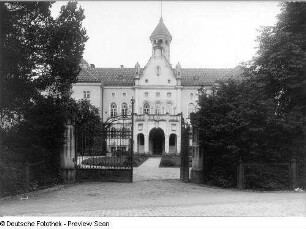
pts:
[262, 117]
[36, 49]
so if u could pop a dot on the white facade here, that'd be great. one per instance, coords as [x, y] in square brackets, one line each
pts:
[162, 94]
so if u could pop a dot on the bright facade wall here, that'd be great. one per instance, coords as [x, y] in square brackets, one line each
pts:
[190, 96]
[163, 96]
[116, 95]
[95, 91]
[150, 76]
[187, 99]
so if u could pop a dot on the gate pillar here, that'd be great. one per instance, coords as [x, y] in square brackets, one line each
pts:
[197, 173]
[67, 156]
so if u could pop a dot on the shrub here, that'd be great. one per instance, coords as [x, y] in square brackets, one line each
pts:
[222, 175]
[267, 177]
[170, 160]
[138, 159]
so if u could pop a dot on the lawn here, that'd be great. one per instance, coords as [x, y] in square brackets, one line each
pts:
[115, 161]
[171, 160]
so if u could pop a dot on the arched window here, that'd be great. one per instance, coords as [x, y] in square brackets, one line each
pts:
[113, 111]
[146, 108]
[169, 108]
[157, 108]
[157, 70]
[191, 95]
[191, 109]
[124, 109]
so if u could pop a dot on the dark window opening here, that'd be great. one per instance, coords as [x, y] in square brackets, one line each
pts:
[141, 139]
[172, 140]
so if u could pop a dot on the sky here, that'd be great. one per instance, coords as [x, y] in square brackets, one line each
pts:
[205, 34]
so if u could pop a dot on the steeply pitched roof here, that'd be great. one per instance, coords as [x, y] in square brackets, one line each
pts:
[125, 76]
[207, 76]
[161, 30]
[108, 76]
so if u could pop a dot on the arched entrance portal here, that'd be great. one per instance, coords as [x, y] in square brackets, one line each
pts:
[157, 141]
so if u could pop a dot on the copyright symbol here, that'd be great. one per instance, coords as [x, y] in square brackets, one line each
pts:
[2, 223]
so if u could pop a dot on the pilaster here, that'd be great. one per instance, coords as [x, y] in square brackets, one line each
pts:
[167, 144]
[146, 144]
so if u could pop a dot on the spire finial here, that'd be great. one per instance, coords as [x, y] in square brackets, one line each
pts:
[161, 9]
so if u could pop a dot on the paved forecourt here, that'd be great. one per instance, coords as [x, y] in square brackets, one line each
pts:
[155, 196]
[150, 170]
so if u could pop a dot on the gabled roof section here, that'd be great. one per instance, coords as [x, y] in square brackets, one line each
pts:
[161, 30]
[125, 76]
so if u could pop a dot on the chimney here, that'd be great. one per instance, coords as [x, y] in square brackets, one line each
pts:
[121, 66]
[92, 66]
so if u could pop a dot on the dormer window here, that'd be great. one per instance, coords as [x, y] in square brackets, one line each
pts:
[157, 70]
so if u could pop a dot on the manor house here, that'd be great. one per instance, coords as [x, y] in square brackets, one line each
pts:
[163, 94]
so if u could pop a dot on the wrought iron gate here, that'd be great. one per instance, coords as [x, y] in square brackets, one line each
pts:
[185, 152]
[107, 154]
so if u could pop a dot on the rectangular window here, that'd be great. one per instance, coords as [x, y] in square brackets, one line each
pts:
[86, 94]
[173, 127]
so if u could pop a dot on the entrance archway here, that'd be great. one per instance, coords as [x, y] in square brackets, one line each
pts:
[157, 141]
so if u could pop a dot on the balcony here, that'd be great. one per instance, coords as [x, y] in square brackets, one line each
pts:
[157, 117]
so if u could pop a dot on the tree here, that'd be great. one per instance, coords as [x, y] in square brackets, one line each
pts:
[280, 64]
[65, 49]
[39, 53]
[37, 49]
[22, 43]
[262, 118]
[90, 130]
[280, 69]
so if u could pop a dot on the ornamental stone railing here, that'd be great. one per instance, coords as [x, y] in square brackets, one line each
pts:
[157, 117]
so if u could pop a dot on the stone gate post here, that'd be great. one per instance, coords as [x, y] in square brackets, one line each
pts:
[197, 173]
[67, 157]
[293, 174]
